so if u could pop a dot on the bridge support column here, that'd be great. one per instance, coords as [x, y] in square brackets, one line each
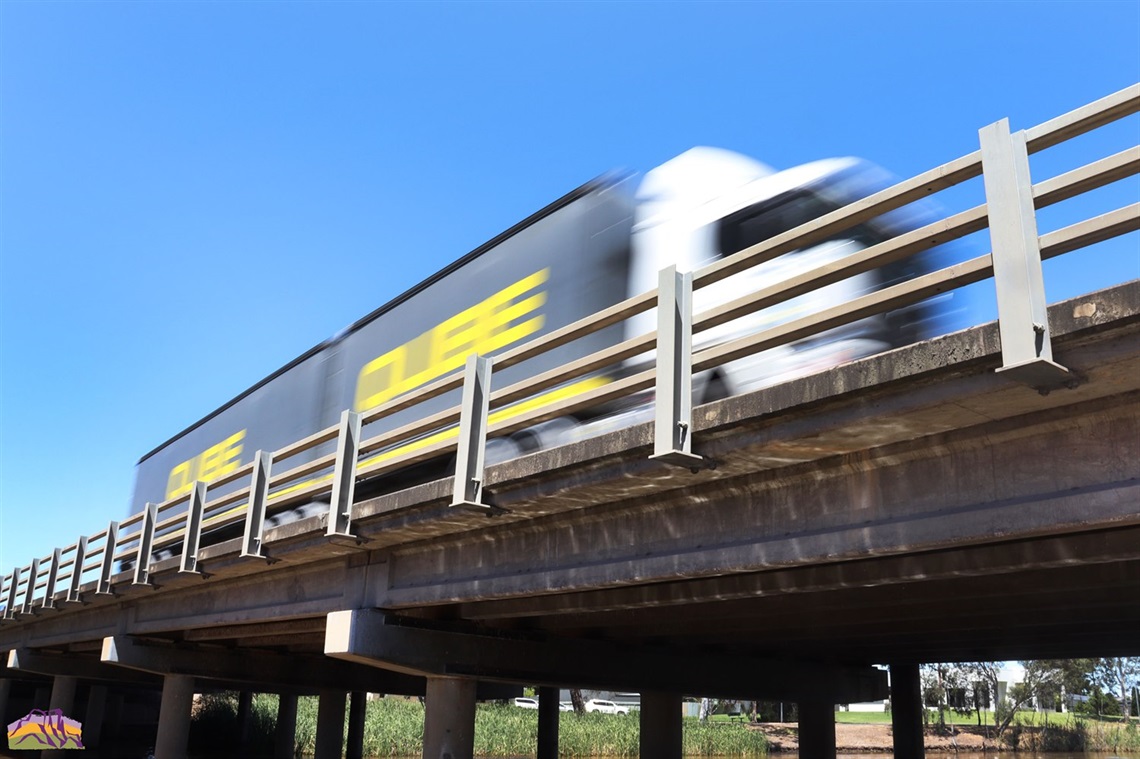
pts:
[357, 705]
[817, 730]
[93, 717]
[41, 697]
[285, 735]
[547, 723]
[661, 725]
[449, 721]
[906, 711]
[113, 715]
[174, 716]
[5, 693]
[244, 717]
[62, 698]
[330, 725]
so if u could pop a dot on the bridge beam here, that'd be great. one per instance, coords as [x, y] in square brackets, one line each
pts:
[253, 666]
[373, 637]
[72, 665]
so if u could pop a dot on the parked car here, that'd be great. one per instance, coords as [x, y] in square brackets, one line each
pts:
[565, 706]
[605, 707]
[526, 703]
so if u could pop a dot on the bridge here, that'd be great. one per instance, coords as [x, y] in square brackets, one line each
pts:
[970, 497]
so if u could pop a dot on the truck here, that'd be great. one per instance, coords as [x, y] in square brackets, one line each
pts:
[594, 247]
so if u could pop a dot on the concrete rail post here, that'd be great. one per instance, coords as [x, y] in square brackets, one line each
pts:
[285, 734]
[357, 707]
[661, 725]
[93, 717]
[174, 717]
[330, 725]
[817, 730]
[547, 723]
[906, 711]
[449, 720]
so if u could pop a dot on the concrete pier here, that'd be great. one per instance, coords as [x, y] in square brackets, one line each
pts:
[661, 725]
[817, 730]
[284, 739]
[330, 725]
[174, 717]
[93, 716]
[547, 723]
[357, 706]
[906, 711]
[449, 721]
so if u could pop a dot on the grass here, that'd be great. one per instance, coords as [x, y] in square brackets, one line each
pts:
[394, 728]
[1037, 731]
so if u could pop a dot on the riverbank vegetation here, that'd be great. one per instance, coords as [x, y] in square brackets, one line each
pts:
[1027, 731]
[394, 728]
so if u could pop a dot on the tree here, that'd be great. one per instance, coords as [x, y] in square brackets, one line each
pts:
[706, 708]
[1120, 674]
[947, 686]
[577, 702]
[1041, 678]
[984, 678]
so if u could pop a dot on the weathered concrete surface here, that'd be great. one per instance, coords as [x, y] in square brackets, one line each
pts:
[909, 506]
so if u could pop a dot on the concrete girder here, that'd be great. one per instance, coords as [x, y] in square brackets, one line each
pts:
[71, 665]
[372, 637]
[254, 667]
[271, 670]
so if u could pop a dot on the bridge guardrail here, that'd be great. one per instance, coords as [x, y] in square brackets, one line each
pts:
[1014, 262]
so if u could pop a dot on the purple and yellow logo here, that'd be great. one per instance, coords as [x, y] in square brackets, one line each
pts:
[40, 730]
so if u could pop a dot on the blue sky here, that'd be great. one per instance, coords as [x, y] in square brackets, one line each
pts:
[192, 194]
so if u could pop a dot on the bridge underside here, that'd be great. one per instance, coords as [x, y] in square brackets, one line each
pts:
[905, 508]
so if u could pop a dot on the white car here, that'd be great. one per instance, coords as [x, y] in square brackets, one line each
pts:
[526, 703]
[605, 707]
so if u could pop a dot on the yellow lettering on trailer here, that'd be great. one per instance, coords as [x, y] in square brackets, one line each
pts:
[502, 319]
[216, 461]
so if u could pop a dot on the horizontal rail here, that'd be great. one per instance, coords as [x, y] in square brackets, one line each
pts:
[868, 259]
[609, 392]
[1124, 164]
[1091, 231]
[1085, 119]
[607, 317]
[825, 226]
[920, 288]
